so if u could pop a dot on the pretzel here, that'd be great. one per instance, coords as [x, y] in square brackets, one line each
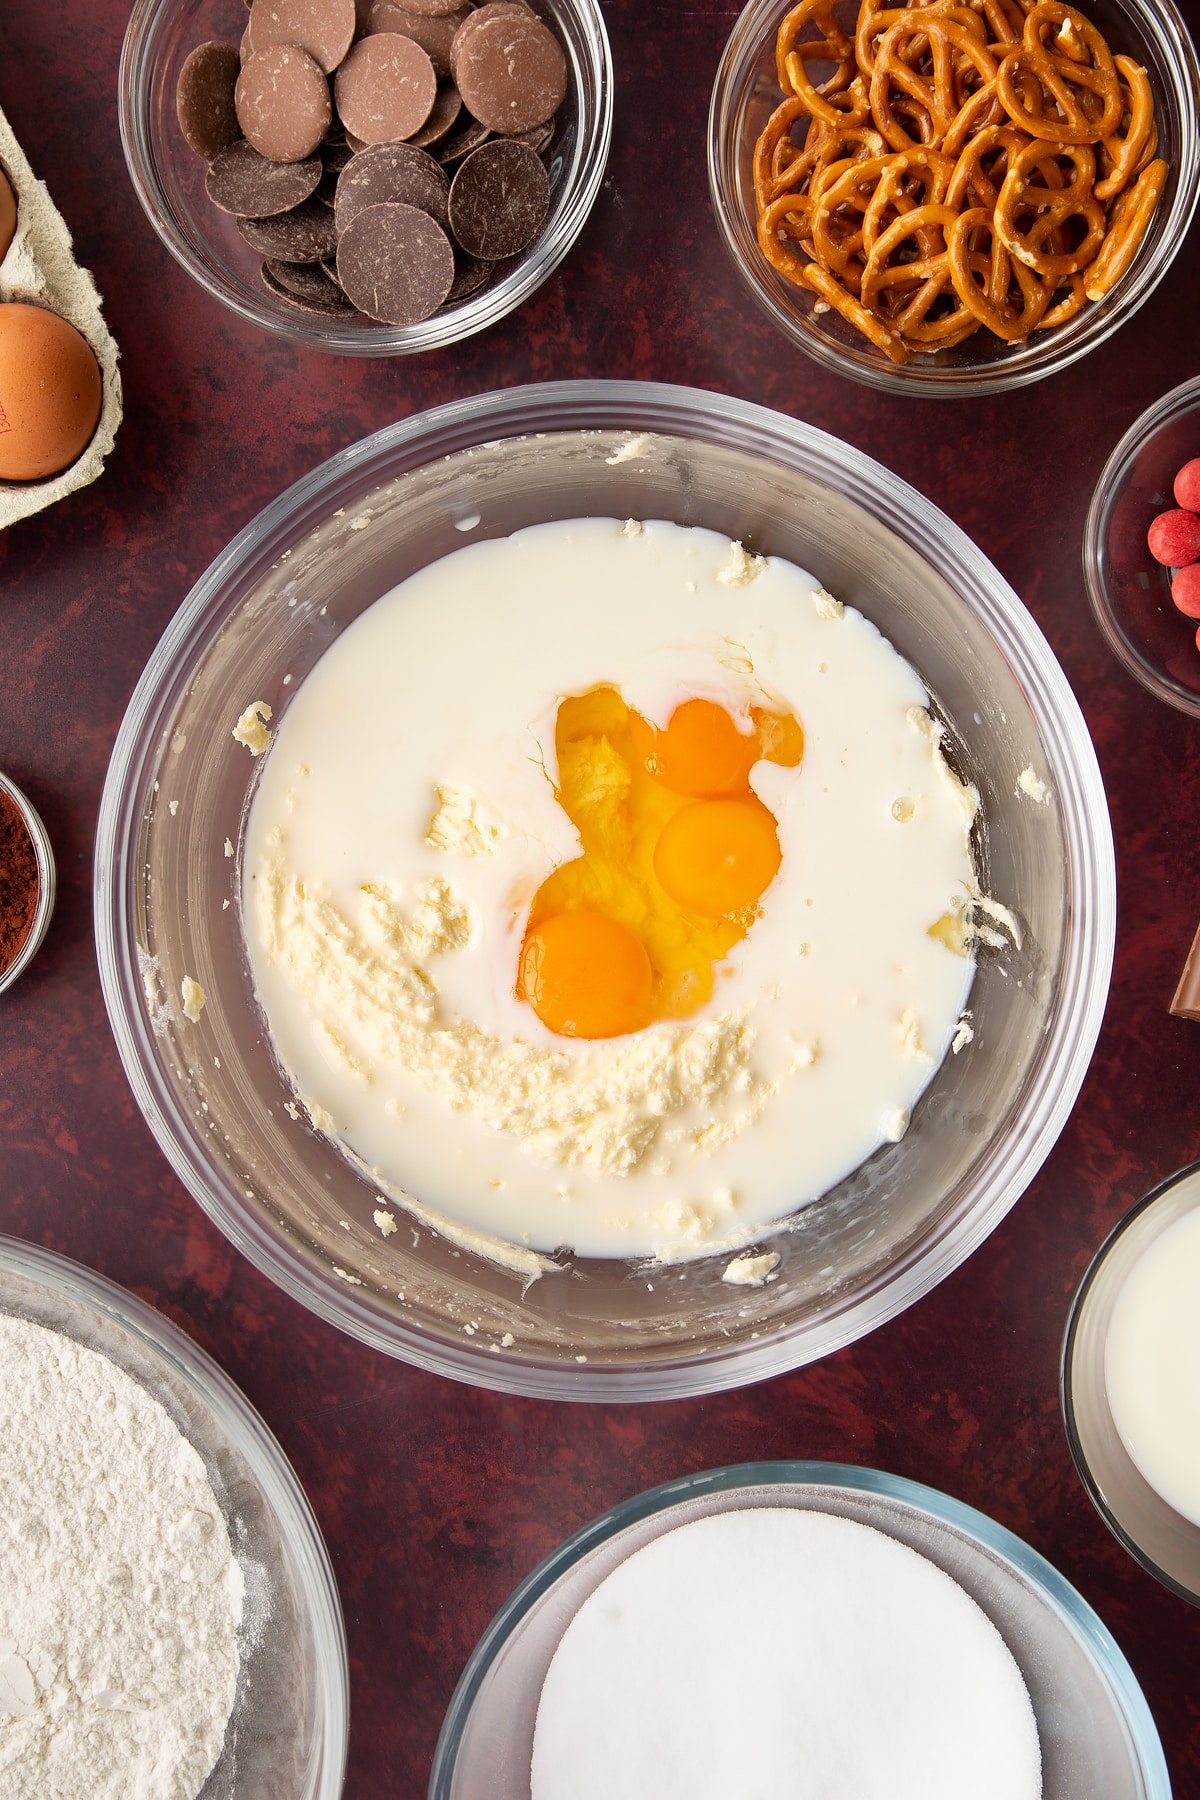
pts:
[1079, 79]
[967, 165]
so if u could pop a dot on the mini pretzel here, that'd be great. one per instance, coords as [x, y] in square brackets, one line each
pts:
[965, 165]
[1052, 207]
[1122, 149]
[1080, 80]
[1130, 217]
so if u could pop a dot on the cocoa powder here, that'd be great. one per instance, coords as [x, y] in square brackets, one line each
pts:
[20, 884]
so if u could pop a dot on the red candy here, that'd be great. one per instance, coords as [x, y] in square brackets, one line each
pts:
[1187, 485]
[1185, 591]
[1174, 539]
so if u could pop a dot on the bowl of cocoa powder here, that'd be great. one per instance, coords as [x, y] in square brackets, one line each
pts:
[26, 882]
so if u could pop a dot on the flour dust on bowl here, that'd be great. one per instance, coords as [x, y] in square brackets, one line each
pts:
[176, 835]
[171, 1620]
[932, 1573]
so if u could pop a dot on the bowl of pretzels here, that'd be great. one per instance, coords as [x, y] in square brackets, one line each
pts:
[954, 197]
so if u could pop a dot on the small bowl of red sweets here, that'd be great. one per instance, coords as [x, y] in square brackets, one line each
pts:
[1141, 549]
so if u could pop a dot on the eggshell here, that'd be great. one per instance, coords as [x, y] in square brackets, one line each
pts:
[50, 393]
[8, 214]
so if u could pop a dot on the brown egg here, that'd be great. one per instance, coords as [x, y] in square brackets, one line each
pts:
[8, 214]
[50, 392]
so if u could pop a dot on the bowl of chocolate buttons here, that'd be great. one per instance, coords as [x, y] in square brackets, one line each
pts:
[374, 178]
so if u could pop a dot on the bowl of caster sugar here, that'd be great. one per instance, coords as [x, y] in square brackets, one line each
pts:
[170, 1627]
[1131, 1382]
[789, 1627]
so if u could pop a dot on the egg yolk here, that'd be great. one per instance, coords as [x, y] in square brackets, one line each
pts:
[718, 857]
[586, 975]
[676, 853]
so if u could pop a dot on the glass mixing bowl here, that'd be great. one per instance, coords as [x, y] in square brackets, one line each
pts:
[168, 178]
[1096, 1732]
[1162, 1539]
[287, 1734]
[253, 627]
[1130, 592]
[745, 95]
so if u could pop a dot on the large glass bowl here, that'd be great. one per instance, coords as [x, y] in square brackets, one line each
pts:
[287, 1733]
[1097, 1735]
[745, 95]
[168, 178]
[257, 622]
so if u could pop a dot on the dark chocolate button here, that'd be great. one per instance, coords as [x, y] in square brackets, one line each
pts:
[326, 301]
[323, 28]
[471, 274]
[306, 235]
[242, 182]
[392, 172]
[435, 34]
[395, 263]
[499, 200]
[204, 99]
[282, 101]
[308, 280]
[385, 89]
[510, 71]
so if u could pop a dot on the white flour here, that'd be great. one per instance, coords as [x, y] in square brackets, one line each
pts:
[119, 1593]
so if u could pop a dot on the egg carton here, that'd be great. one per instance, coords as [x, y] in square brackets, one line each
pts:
[40, 268]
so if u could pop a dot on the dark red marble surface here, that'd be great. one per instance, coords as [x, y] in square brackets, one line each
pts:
[434, 1499]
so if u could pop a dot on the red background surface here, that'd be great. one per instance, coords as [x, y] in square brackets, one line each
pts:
[434, 1499]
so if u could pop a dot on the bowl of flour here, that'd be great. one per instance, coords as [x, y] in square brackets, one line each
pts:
[169, 1623]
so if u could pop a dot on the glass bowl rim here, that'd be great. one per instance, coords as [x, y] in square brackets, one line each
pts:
[47, 881]
[478, 313]
[1066, 1384]
[1170, 406]
[916, 1496]
[753, 27]
[244, 1426]
[696, 413]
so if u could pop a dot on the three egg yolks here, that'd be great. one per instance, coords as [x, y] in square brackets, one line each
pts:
[677, 852]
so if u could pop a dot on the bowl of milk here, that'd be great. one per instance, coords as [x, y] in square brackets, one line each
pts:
[1131, 1382]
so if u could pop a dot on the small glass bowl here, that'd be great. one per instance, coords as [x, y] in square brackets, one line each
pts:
[1158, 1537]
[744, 96]
[46, 883]
[1096, 1732]
[1130, 592]
[288, 1731]
[168, 178]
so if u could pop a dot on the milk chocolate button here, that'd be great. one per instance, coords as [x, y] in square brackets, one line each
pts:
[306, 235]
[282, 101]
[395, 263]
[431, 8]
[491, 9]
[241, 181]
[385, 89]
[461, 142]
[323, 28]
[511, 72]
[447, 109]
[434, 34]
[204, 99]
[392, 172]
[499, 200]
